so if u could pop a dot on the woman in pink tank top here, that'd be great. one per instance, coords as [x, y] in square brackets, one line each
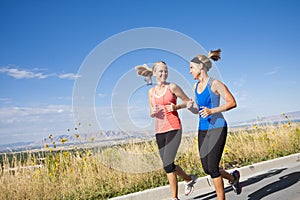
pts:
[163, 107]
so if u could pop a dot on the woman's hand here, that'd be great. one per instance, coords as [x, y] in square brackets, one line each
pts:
[153, 111]
[204, 112]
[190, 104]
[172, 107]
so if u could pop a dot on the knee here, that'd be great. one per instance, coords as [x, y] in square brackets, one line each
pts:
[212, 171]
[170, 168]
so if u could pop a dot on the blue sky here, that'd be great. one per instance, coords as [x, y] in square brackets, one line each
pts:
[44, 44]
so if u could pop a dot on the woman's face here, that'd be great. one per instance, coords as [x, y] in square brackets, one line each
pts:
[161, 72]
[195, 70]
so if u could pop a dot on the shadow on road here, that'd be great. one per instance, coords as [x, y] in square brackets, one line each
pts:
[250, 181]
[283, 182]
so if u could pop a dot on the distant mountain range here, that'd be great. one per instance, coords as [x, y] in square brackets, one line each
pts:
[101, 138]
[106, 138]
[284, 117]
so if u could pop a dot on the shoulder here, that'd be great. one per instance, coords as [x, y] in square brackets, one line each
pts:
[174, 87]
[150, 91]
[217, 85]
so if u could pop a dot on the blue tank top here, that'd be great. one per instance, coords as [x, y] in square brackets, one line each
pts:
[209, 99]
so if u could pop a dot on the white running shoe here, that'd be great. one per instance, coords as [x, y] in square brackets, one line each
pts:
[189, 187]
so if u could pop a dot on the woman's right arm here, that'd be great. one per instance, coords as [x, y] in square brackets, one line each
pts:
[152, 110]
[192, 106]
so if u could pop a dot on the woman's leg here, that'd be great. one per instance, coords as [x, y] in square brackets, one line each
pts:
[217, 139]
[168, 144]
[226, 175]
[219, 187]
[182, 174]
[172, 178]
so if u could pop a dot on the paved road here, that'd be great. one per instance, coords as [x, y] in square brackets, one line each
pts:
[277, 179]
[281, 183]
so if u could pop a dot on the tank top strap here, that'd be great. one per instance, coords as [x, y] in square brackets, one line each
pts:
[196, 88]
[210, 80]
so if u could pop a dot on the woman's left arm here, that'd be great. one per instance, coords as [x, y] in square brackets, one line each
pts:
[220, 88]
[178, 92]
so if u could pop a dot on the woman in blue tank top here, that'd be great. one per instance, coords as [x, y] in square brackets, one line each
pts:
[212, 129]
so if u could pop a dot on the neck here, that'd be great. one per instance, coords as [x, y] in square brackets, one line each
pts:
[160, 84]
[203, 77]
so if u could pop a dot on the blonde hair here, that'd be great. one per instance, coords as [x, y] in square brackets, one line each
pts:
[144, 70]
[215, 55]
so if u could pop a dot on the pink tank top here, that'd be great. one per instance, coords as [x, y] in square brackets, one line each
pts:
[165, 121]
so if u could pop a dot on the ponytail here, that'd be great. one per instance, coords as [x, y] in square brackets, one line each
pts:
[144, 70]
[215, 55]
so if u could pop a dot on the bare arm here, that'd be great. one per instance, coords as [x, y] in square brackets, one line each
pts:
[192, 106]
[152, 111]
[221, 89]
[187, 102]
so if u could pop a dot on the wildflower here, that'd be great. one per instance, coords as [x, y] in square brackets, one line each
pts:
[226, 150]
[63, 140]
[50, 136]
[46, 145]
[66, 154]
[89, 152]
[75, 129]
[51, 150]
[92, 139]
[77, 135]
[68, 130]
[273, 145]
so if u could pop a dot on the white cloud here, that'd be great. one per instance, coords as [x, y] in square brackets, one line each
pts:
[275, 70]
[69, 76]
[34, 123]
[34, 73]
[22, 74]
[5, 100]
[102, 95]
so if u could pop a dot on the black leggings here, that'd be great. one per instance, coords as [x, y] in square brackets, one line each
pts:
[168, 144]
[211, 145]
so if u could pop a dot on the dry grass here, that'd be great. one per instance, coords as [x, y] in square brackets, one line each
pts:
[121, 169]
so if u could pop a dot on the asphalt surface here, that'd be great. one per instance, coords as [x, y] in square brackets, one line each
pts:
[277, 179]
[281, 183]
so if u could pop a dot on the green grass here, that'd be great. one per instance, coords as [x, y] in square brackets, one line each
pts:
[102, 173]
